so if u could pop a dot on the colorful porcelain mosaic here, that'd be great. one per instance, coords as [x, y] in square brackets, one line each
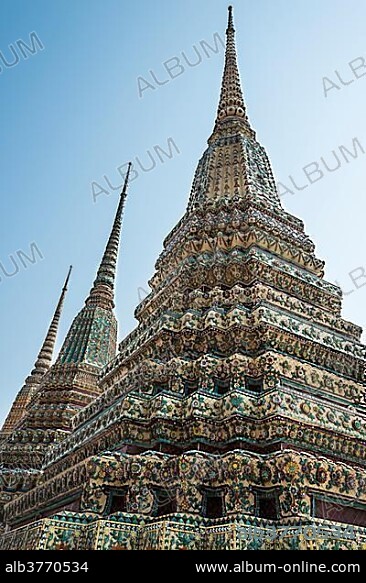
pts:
[232, 417]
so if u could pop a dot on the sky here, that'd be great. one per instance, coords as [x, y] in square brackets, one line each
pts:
[97, 87]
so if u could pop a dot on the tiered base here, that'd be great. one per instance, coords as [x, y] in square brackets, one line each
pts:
[123, 531]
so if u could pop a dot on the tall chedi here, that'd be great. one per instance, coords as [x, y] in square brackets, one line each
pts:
[72, 382]
[237, 403]
[89, 345]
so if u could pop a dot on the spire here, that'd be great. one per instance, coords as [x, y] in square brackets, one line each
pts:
[234, 166]
[102, 292]
[41, 366]
[44, 358]
[231, 111]
[92, 336]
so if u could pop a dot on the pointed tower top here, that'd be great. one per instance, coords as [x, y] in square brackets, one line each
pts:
[102, 292]
[231, 112]
[92, 336]
[41, 366]
[230, 23]
[44, 359]
[234, 166]
[64, 289]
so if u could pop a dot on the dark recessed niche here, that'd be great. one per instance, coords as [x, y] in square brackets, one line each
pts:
[254, 384]
[213, 502]
[117, 501]
[267, 504]
[190, 387]
[222, 386]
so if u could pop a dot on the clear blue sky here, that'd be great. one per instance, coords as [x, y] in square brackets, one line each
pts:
[71, 114]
